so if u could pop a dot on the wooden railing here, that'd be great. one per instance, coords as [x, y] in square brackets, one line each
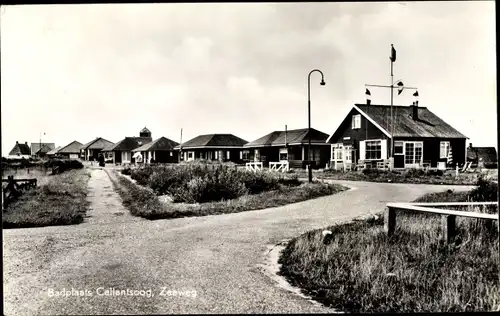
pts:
[14, 189]
[448, 222]
[277, 166]
[254, 166]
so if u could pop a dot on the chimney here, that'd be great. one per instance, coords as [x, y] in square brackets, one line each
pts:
[414, 110]
[26, 143]
[17, 142]
[368, 101]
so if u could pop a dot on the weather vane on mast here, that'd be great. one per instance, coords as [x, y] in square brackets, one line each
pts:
[399, 85]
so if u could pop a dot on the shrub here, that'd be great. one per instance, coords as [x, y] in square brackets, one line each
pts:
[142, 175]
[126, 171]
[414, 173]
[486, 191]
[61, 165]
[372, 172]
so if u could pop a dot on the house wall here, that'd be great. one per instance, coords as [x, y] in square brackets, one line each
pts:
[366, 131]
[431, 149]
[296, 154]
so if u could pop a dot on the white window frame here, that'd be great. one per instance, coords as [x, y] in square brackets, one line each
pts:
[402, 145]
[366, 149]
[356, 121]
[445, 148]
[415, 164]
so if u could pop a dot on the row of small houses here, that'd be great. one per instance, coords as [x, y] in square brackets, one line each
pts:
[420, 139]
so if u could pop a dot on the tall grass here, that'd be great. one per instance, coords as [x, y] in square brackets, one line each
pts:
[359, 269]
[407, 176]
[141, 201]
[61, 200]
[199, 183]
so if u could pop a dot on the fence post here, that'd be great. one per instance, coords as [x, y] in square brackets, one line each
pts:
[390, 221]
[448, 225]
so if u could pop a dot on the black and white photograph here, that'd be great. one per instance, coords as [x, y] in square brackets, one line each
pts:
[249, 158]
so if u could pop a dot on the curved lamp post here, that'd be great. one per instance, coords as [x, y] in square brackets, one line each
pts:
[309, 115]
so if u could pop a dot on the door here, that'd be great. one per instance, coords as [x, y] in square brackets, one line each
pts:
[413, 153]
[399, 155]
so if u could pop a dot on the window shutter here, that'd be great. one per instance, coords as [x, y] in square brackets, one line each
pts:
[228, 154]
[241, 155]
[383, 147]
[362, 150]
[353, 122]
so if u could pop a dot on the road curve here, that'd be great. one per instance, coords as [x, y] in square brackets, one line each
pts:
[215, 256]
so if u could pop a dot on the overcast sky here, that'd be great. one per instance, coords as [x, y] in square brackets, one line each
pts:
[77, 72]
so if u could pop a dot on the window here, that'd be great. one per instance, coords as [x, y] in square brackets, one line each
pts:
[171, 154]
[444, 149]
[373, 149]
[190, 155]
[398, 148]
[228, 154]
[348, 153]
[246, 154]
[413, 153]
[356, 121]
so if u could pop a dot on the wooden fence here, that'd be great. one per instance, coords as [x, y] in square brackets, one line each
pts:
[14, 189]
[448, 219]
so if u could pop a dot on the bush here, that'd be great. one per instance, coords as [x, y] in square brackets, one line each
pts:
[126, 171]
[142, 175]
[61, 165]
[414, 173]
[372, 172]
[434, 173]
[196, 182]
[486, 191]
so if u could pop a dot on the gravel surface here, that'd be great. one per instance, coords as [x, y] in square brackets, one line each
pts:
[214, 260]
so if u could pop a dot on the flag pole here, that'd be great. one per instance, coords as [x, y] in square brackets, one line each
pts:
[392, 97]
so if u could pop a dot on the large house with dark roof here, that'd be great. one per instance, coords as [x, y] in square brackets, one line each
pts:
[160, 150]
[92, 149]
[121, 152]
[41, 149]
[420, 139]
[72, 150]
[20, 151]
[482, 157]
[291, 146]
[221, 147]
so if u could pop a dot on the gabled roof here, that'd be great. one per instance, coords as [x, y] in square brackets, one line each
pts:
[98, 143]
[295, 136]
[130, 143]
[46, 147]
[161, 143]
[71, 148]
[54, 151]
[488, 154]
[428, 124]
[20, 149]
[214, 140]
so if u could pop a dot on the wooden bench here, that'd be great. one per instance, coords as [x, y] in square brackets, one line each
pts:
[448, 222]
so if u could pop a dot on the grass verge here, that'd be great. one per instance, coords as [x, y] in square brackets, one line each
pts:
[143, 202]
[60, 201]
[358, 268]
[413, 176]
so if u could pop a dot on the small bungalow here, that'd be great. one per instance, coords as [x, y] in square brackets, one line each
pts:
[53, 152]
[421, 139]
[291, 146]
[41, 149]
[92, 149]
[20, 151]
[72, 150]
[221, 147]
[161, 150]
[482, 157]
[121, 152]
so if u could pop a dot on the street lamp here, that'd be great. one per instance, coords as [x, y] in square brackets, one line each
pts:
[309, 115]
